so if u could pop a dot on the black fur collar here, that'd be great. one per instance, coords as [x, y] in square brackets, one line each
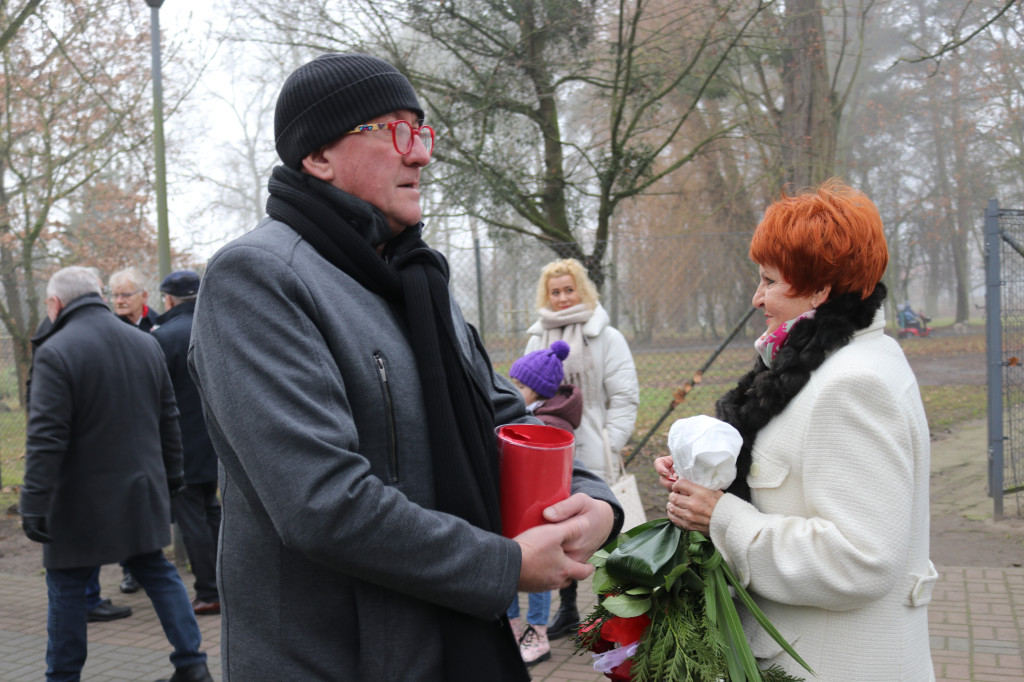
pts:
[763, 393]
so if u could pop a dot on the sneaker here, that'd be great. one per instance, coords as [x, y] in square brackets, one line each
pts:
[517, 628]
[129, 584]
[534, 646]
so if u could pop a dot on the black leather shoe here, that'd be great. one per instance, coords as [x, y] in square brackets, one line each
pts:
[197, 672]
[129, 585]
[107, 611]
[567, 618]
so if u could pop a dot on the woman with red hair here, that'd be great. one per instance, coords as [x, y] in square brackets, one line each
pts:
[826, 524]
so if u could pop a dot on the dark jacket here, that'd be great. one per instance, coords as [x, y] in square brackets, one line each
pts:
[148, 320]
[102, 439]
[173, 334]
[563, 410]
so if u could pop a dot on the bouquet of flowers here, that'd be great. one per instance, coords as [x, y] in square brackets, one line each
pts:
[665, 611]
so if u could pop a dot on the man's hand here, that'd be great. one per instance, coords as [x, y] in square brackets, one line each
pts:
[175, 485]
[595, 518]
[545, 564]
[36, 528]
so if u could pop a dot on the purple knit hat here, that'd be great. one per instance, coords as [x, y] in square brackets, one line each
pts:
[542, 370]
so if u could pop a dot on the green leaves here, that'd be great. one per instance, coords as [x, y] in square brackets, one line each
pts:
[682, 582]
[647, 557]
[759, 616]
[628, 605]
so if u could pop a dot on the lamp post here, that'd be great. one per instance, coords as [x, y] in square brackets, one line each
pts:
[163, 240]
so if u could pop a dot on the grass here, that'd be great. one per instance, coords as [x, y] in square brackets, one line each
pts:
[12, 451]
[947, 406]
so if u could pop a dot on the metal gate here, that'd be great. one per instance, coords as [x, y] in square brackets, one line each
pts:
[1004, 333]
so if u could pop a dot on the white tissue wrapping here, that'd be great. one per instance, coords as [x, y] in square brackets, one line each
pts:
[704, 451]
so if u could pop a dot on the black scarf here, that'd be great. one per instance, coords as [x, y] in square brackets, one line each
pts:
[413, 279]
[762, 393]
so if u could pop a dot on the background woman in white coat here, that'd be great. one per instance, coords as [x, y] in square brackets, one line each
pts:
[827, 523]
[601, 365]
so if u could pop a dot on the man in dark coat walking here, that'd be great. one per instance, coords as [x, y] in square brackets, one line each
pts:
[103, 454]
[196, 509]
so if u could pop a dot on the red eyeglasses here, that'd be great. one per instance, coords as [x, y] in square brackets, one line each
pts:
[402, 134]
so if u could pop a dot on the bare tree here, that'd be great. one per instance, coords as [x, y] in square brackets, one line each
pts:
[74, 101]
[14, 20]
[550, 112]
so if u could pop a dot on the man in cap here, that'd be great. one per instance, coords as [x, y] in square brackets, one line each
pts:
[196, 509]
[353, 410]
[102, 459]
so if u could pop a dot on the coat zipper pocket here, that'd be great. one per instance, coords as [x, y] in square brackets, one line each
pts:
[389, 407]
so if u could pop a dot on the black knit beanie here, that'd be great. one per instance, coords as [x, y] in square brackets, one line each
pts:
[331, 95]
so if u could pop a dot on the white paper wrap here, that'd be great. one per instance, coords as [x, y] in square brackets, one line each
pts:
[704, 451]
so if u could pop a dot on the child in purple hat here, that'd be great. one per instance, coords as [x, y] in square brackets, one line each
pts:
[538, 376]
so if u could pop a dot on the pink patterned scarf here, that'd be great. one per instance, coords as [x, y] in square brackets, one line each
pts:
[769, 343]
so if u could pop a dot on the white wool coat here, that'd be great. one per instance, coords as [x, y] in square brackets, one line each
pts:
[615, 376]
[834, 548]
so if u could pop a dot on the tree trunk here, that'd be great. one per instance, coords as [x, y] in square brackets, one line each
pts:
[962, 222]
[808, 124]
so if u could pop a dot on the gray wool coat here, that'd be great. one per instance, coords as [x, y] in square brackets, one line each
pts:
[332, 556]
[102, 439]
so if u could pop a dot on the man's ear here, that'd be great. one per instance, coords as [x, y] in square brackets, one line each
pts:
[53, 308]
[317, 165]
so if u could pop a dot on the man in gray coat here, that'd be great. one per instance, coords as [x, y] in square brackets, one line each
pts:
[353, 410]
[103, 456]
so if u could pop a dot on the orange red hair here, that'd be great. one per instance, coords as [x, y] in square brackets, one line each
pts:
[829, 234]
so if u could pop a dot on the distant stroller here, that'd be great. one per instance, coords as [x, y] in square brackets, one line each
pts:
[911, 323]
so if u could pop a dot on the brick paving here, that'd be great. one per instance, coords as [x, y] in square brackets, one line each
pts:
[132, 649]
[976, 616]
[976, 624]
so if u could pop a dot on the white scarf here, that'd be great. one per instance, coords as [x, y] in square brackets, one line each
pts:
[567, 325]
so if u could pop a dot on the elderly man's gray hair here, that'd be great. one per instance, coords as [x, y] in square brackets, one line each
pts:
[130, 276]
[69, 283]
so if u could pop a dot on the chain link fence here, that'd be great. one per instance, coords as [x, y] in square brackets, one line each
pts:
[678, 300]
[682, 301]
[674, 298]
[1004, 241]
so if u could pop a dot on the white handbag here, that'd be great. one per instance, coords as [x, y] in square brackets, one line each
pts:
[624, 487]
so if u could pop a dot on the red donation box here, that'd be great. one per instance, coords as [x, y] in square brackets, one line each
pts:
[536, 472]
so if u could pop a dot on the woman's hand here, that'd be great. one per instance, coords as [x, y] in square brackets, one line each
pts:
[666, 472]
[690, 506]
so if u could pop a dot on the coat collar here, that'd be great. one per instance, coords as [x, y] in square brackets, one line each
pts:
[183, 308]
[762, 393]
[85, 301]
